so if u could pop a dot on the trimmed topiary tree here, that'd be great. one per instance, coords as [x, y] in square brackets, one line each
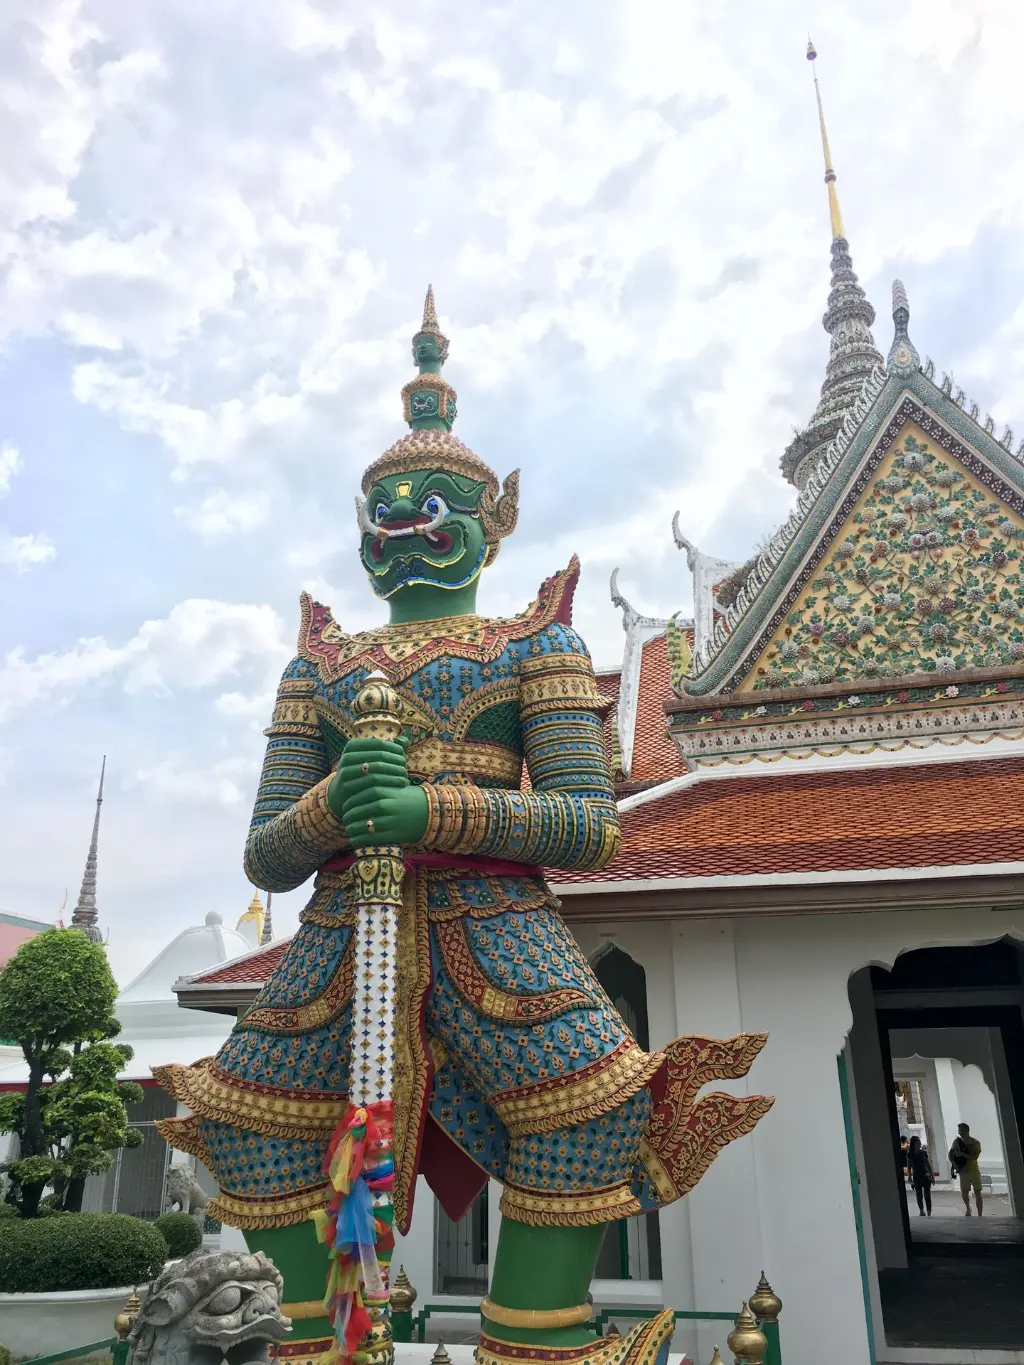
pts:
[180, 1231]
[57, 1001]
[89, 1251]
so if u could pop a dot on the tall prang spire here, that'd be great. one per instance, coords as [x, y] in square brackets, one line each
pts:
[853, 356]
[84, 916]
[267, 933]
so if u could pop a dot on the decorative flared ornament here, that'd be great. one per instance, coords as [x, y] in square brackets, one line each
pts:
[440, 1356]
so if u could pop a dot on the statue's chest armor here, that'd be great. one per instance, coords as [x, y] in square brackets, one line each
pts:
[451, 699]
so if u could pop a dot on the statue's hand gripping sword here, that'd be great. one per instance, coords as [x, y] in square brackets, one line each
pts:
[358, 1224]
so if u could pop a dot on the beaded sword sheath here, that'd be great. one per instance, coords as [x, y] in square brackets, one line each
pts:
[357, 1226]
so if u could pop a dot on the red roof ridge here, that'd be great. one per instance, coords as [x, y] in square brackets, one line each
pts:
[269, 954]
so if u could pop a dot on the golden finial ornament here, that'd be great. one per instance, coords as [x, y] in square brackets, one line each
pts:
[830, 176]
[402, 1295]
[125, 1320]
[440, 1356]
[765, 1304]
[716, 1359]
[378, 708]
[746, 1341]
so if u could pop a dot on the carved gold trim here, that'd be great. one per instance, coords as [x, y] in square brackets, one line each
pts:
[556, 1103]
[290, 1113]
[251, 1214]
[428, 757]
[535, 1317]
[569, 1210]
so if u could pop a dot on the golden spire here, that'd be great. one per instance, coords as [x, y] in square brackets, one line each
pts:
[253, 915]
[830, 176]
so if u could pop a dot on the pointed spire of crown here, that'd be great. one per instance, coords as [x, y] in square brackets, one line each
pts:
[428, 401]
[853, 355]
[85, 916]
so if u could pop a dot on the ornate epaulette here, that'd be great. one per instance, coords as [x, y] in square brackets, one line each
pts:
[401, 650]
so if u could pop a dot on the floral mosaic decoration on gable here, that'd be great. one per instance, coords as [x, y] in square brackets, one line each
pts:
[926, 578]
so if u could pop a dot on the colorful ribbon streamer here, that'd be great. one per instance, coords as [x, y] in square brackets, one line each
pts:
[356, 1225]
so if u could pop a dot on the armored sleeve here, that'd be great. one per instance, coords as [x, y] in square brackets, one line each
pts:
[293, 830]
[569, 818]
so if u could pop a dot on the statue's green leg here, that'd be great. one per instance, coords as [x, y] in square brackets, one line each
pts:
[302, 1261]
[537, 1267]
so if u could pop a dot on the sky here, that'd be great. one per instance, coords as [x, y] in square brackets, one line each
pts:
[217, 223]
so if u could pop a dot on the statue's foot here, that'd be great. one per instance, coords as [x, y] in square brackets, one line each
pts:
[647, 1344]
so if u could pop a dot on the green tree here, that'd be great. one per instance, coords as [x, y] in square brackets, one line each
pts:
[56, 1001]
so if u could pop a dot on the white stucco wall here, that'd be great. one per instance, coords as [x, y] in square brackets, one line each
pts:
[780, 1199]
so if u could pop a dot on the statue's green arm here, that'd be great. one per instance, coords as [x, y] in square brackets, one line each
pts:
[569, 819]
[293, 830]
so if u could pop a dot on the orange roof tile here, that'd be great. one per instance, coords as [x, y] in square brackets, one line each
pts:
[255, 966]
[655, 756]
[931, 815]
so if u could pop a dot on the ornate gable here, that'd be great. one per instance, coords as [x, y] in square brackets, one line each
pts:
[753, 635]
[922, 573]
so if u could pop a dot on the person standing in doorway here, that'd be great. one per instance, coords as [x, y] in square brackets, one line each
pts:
[963, 1157]
[920, 1166]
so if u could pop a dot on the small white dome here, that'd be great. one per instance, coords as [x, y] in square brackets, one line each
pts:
[193, 950]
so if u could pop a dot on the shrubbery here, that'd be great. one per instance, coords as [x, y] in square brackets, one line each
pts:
[180, 1231]
[78, 1251]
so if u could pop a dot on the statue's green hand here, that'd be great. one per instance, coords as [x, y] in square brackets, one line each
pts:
[379, 805]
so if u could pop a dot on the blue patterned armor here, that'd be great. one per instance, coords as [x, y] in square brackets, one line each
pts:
[511, 1060]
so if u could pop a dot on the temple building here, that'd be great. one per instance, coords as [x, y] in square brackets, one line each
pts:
[821, 779]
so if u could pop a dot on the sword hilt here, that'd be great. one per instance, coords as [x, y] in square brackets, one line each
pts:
[378, 715]
[378, 708]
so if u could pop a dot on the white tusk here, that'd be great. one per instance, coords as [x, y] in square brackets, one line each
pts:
[365, 524]
[371, 529]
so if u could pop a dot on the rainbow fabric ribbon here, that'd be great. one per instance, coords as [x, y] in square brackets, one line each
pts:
[357, 1232]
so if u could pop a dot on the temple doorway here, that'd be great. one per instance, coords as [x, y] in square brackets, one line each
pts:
[937, 1041]
[632, 1246]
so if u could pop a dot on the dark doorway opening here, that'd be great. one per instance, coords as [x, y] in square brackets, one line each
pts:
[632, 1246]
[937, 1041]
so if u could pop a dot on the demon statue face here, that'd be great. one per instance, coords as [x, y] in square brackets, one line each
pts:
[212, 1308]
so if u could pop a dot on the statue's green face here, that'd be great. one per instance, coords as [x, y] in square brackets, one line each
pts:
[422, 527]
[426, 351]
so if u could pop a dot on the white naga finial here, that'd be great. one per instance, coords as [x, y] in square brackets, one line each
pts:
[630, 615]
[706, 571]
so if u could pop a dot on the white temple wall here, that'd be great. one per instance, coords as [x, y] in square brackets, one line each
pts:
[782, 1198]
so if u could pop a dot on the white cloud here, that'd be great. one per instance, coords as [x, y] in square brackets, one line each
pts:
[25, 552]
[10, 463]
[221, 512]
[197, 644]
[175, 781]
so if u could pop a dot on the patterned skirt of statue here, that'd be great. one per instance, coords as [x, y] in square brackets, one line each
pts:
[510, 1061]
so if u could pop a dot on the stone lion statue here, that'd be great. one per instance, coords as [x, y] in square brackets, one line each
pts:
[185, 1194]
[211, 1308]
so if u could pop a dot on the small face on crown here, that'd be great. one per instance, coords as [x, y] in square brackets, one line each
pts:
[421, 527]
[429, 350]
